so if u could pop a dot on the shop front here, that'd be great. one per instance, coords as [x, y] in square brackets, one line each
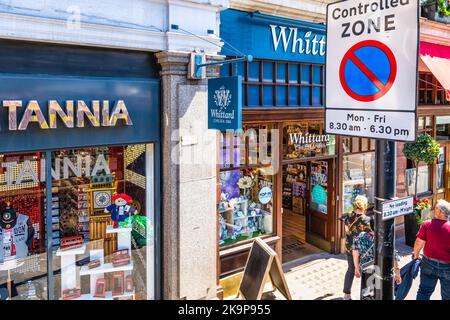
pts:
[279, 177]
[79, 180]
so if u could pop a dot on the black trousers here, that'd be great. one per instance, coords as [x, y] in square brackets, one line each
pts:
[349, 275]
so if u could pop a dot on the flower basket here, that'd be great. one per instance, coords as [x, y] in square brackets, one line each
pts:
[422, 211]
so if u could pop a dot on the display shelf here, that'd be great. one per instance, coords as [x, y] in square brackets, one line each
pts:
[111, 229]
[105, 268]
[90, 296]
[71, 252]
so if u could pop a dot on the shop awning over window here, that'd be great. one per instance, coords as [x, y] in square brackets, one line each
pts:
[436, 58]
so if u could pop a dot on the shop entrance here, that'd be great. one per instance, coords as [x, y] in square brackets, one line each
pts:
[307, 207]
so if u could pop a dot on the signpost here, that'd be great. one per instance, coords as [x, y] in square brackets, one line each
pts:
[371, 92]
[371, 68]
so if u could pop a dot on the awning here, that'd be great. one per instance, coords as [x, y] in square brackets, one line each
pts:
[436, 58]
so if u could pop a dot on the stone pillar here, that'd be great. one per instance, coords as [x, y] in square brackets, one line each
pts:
[189, 221]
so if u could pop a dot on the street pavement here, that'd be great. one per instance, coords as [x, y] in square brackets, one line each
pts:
[321, 277]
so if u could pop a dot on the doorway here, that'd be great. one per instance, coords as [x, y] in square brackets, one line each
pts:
[307, 202]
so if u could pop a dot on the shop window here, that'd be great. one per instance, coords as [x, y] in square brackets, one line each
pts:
[358, 178]
[443, 128]
[304, 140]
[247, 188]
[430, 90]
[281, 84]
[423, 181]
[23, 253]
[93, 191]
[425, 125]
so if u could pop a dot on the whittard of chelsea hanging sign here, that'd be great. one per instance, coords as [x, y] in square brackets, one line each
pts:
[225, 103]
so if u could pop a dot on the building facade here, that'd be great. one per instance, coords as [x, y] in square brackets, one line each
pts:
[97, 98]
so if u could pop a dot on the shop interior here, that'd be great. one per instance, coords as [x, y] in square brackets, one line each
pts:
[305, 190]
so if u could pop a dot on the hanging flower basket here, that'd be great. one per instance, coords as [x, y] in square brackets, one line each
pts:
[413, 221]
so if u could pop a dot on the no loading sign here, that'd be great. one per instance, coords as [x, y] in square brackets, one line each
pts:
[368, 70]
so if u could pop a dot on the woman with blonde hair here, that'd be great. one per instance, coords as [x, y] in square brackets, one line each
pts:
[355, 223]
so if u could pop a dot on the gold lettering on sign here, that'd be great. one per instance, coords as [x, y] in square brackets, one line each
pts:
[120, 112]
[82, 109]
[55, 109]
[12, 112]
[33, 113]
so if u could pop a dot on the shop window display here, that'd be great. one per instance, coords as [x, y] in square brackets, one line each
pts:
[358, 174]
[102, 222]
[245, 206]
[246, 185]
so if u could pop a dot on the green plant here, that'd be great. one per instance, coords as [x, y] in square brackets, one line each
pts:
[425, 149]
[443, 8]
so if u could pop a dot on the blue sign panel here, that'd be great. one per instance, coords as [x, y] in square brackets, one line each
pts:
[273, 38]
[225, 103]
[56, 112]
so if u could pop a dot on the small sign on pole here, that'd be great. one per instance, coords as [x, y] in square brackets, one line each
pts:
[371, 69]
[398, 207]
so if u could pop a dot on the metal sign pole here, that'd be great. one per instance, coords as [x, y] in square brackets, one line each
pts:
[384, 229]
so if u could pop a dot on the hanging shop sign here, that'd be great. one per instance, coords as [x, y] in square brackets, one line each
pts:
[304, 140]
[54, 112]
[398, 207]
[225, 103]
[371, 68]
[273, 38]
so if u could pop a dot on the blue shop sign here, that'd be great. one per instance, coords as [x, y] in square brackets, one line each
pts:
[273, 38]
[225, 103]
[56, 112]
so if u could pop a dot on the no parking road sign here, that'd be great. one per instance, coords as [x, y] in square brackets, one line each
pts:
[371, 68]
[368, 70]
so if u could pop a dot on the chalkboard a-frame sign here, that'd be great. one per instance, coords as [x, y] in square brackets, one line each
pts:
[261, 263]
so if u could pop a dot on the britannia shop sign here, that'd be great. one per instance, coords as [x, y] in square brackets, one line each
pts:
[74, 112]
[39, 113]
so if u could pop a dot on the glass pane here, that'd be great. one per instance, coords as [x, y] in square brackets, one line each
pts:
[443, 128]
[246, 206]
[440, 167]
[106, 222]
[358, 173]
[281, 95]
[306, 74]
[253, 96]
[306, 96]
[23, 254]
[268, 72]
[420, 123]
[317, 96]
[319, 186]
[253, 71]
[268, 96]
[423, 181]
[293, 73]
[241, 69]
[317, 75]
[364, 144]
[293, 96]
[281, 72]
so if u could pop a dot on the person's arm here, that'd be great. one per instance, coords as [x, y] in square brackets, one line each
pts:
[355, 254]
[418, 246]
[397, 276]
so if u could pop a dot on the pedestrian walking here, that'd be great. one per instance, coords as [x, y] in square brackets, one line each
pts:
[355, 223]
[363, 259]
[434, 238]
